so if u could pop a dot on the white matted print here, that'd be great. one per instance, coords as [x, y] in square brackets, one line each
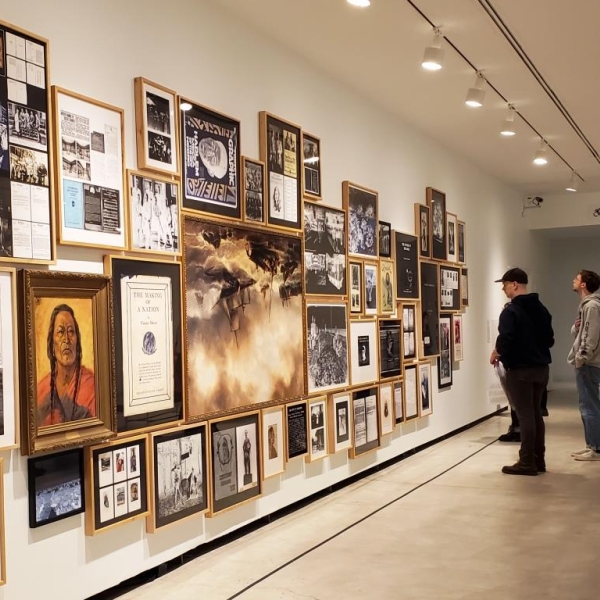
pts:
[341, 421]
[9, 437]
[424, 386]
[386, 411]
[273, 450]
[247, 463]
[398, 391]
[370, 292]
[410, 392]
[364, 352]
[457, 337]
[318, 429]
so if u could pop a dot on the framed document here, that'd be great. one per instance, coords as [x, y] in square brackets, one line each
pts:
[9, 356]
[311, 160]
[436, 201]
[361, 204]
[356, 288]
[452, 235]
[273, 441]
[386, 409]
[318, 447]
[90, 166]
[387, 296]
[398, 391]
[340, 419]
[370, 292]
[444, 361]
[253, 193]
[430, 295]
[464, 287]
[424, 385]
[423, 229]
[390, 348]
[364, 346]
[457, 338]
[450, 288]
[365, 410]
[407, 266]
[296, 417]
[409, 331]
[411, 404]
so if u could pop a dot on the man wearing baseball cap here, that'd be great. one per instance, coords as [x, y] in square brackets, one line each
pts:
[525, 337]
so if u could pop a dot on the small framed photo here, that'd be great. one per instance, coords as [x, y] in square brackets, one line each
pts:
[411, 403]
[356, 288]
[398, 395]
[424, 384]
[444, 360]
[386, 409]
[387, 297]
[156, 127]
[385, 239]
[361, 205]
[370, 293]
[55, 487]
[318, 447]
[311, 160]
[436, 201]
[423, 229]
[365, 418]
[296, 420]
[390, 348]
[461, 242]
[450, 299]
[452, 235]
[407, 266]
[409, 332]
[364, 355]
[340, 419]
[457, 337]
[253, 190]
[273, 441]
[464, 287]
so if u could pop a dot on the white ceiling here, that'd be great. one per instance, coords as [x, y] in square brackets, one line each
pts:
[378, 52]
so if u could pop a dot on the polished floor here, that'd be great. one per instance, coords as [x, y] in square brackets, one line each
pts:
[444, 524]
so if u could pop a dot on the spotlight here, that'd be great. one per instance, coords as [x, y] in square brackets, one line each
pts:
[572, 185]
[359, 3]
[434, 54]
[540, 157]
[508, 127]
[185, 106]
[476, 94]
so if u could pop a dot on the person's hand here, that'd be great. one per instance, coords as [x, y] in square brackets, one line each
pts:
[494, 357]
[577, 322]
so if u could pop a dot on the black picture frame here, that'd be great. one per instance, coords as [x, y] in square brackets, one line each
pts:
[430, 294]
[311, 166]
[444, 360]
[461, 241]
[407, 266]
[423, 229]
[464, 287]
[450, 297]
[49, 502]
[253, 190]
[362, 206]
[385, 239]
[436, 200]
[409, 330]
[296, 421]
[390, 348]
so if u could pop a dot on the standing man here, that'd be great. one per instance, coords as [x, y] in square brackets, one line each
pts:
[585, 355]
[523, 345]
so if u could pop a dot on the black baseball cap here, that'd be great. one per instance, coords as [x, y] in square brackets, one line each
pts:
[517, 275]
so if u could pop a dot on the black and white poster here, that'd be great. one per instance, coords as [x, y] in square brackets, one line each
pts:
[363, 222]
[398, 390]
[311, 147]
[247, 456]
[424, 384]
[452, 234]
[224, 463]
[365, 405]
[461, 242]
[444, 361]
[409, 331]
[430, 309]
[356, 291]
[318, 430]
[390, 348]
[254, 190]
[364, 353]
[297, 429]
[370, 293]
[385, 239]
[450, 288]
[407, 265]
[436, 201]
[422, 229]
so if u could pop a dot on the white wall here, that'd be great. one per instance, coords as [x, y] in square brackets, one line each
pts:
[97, 48]
[565, 210]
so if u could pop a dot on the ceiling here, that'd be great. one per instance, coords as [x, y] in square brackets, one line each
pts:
[378, 51]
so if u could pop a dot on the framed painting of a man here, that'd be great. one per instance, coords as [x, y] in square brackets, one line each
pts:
[68, 358]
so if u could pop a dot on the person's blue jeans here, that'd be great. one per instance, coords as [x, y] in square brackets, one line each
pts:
[588, 387]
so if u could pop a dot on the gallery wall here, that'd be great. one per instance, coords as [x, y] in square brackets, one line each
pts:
[206, 55]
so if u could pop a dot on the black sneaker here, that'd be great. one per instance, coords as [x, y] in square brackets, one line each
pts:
[544, 412]
[520, 469]
[540, 466]
[510, 436]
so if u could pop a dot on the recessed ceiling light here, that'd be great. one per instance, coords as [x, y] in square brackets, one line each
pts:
[360, 3]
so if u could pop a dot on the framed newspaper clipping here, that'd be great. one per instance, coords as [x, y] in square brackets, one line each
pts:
[311, 162]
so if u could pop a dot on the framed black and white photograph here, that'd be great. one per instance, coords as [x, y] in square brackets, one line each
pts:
[365, 417]
[179, 475]
[464, 287]
[444, 360]
[457, 337]
[356, 288]
[390, 348]
[387, 296]
[326, 346]
[371, 282]
[55, 487]
[385, 239]
[411, 403]
[461, 241]
[423, 229]
[409, 332]
[311, 160]
[273, 441]
[424, 388]
[340, 420]
[210, 171]
[430, 295]
[386, 409]
[450, 299]
[407, 266]
[398, 392]
[318, 447]
[324, 250]
[436, 201]
[253, 190]
[452, 236]
[361, 205]
[364, 352]
[296, 419]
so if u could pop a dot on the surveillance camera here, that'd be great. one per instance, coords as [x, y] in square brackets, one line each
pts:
[535, 199]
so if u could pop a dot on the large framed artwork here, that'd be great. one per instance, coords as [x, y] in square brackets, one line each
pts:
[411, 404]
[311, 160]
[436, 201]
[296, 419]
[457, 338]
[253, 190]
[409, 331]
[178, 476]
[154, 209]
[236, 469]
[9, 354]
[55, 487]
[444, 360]
[356, 288]
[450, 288]
[386, 409]
[407, 266]
[272, 435]
[387, 296]
[324, 250]
[318, 447]
[340, 421]
[116, 489]
[370, 292]
[423, 230]
[26, 169]
[452, 235]
[364, 355]
[361, 204]
[385, 239]
[326, 347]
[365, 419]
[157, 130]
[244, 315]
[398, 391]
[424, 385]
[210, 157]
[430, 294]
[390, 348]
[464, 287]
[280, 150]
[461, 241]
[68, 359]
[148, 341]
[89, 153]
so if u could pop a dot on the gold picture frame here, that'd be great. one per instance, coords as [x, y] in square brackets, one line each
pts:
[366, 435]
[311, 167]
[273, 436]
[362, 207]
[253, 190]
[318, 429]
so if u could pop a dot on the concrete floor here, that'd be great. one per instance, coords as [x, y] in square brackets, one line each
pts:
[430, 527]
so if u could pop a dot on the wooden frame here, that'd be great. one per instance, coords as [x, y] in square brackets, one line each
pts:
[462, 242]
[411, 401]
[436, 201]
[407, 266]
[390, 348]
[398, 396]
[386, 409]
[423, 229]
[117, 477]
[362, 207]
[457, 338]
[253, 190]
[273, 436]
[318, 447]
[365, 433]
[387, 287]
[370, 289]
[364, 352]
[464, 287]
[385, 239]
[148, 340]
[154, 208]
[178, 460]
[444, 360]
[311, 167]
[279, 142]
[91, 197]
[355, 283]
[450, 296]
[452, 237]
[430, 309]
[296, 422]
[64, 488]
[425, 394]
[156, 127]
[409, 331]
[78, 309]
[210, 161]
[340, 422]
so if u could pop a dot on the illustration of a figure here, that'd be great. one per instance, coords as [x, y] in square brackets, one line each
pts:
[272, 442]
[246, 447]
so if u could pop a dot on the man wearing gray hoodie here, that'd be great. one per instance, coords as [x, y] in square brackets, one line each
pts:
[585, 355]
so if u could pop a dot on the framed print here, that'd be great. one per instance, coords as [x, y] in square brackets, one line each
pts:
[244, 302]
[407, 266]
[273, 441]
[423, 229]
[326, 347]
[457, 338]
[365, 419]
[411, 404]
[409, 332]
[464, 287]
[296, 418]
[444, 361]
[117, 484]
[390, 348]
[156, 127]
[398, 395]
[253, 191]
[178, 486]
[9, 356]
[154, 214]
[55, 487]
[436, 201]
[311, 161]
[430, 294]
[26, 166]
[67, 380]
[424, 385]
[148, 341]
[356, 288]
[387, 297]
[364, 358]
[361, 204]
[370, 293]
[452, 235]
[318, 447]
[385, 239]
[450, 288]
[324, 250]
[386, 409]
[90, 167]
[210, 170]
[340, 420]
[461, 241]
[280, 150]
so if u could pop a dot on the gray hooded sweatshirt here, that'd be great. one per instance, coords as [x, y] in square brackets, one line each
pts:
[586, 346]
